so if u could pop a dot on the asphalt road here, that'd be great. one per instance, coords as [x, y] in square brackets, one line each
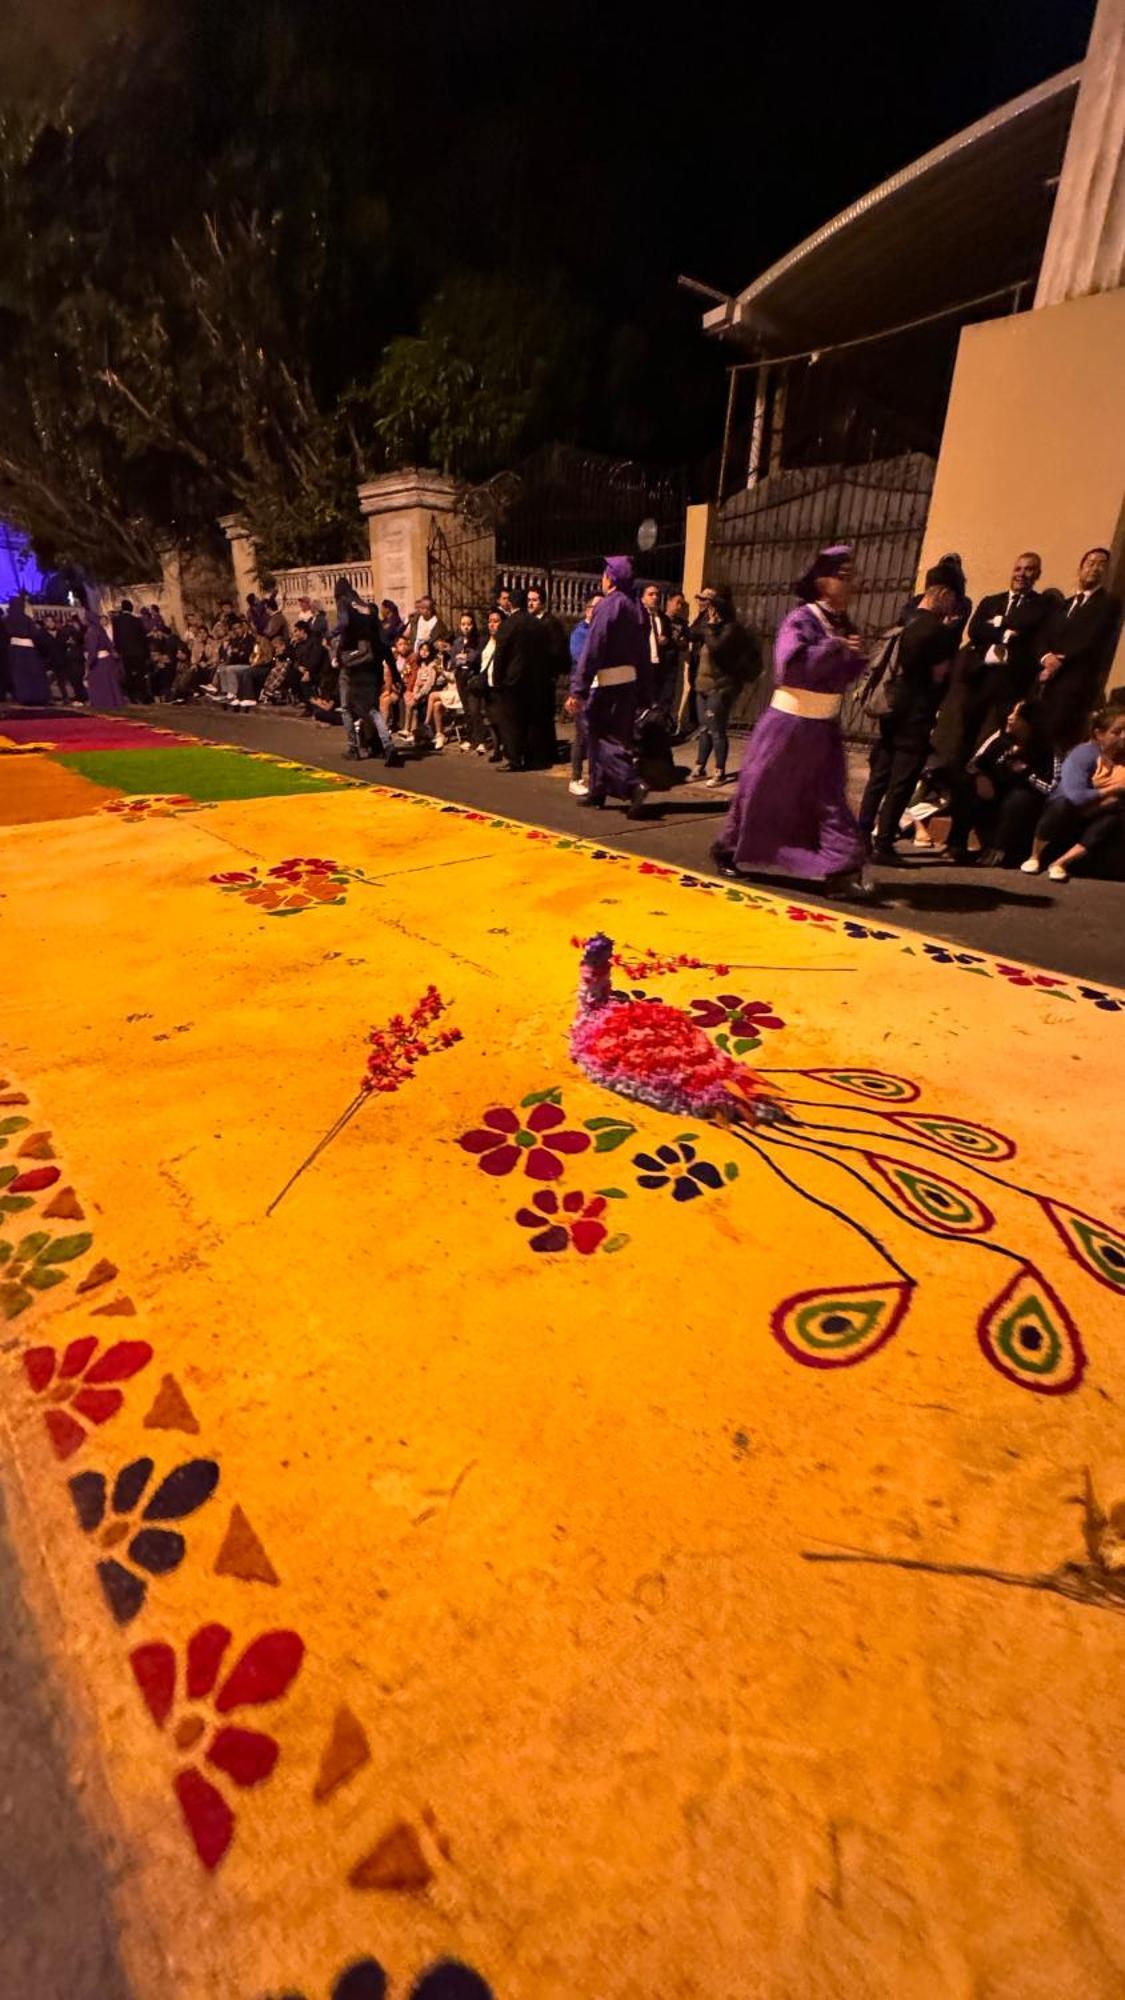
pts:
[57, 1931]
[1077, 928]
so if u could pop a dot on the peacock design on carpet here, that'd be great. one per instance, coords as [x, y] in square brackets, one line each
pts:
[653, 1052]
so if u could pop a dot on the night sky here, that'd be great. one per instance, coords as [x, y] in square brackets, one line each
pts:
[558, 135]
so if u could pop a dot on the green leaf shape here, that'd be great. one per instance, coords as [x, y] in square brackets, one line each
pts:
[13, 1124]
[730, 1171]
[723, 1042]
[14, 1204]
[743, 1045]
[5, 1252]
[553, 1096]
[65, 1248]
[7, 1174]
[686, 1138]
[41, 1278]
[615, 1243]
[612, 1194]
[602, 1124]
[13, 1299]
[608, 1142]
[735, 896]
[30, 1246]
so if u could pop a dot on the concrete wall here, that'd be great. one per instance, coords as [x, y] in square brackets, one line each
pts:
[1033, 453]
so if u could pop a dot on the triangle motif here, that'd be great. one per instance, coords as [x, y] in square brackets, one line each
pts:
[242, 1554]
[171, 1411]
[345, 1753]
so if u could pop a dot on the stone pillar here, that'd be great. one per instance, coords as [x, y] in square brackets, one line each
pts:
[398, 508]
[1086, 245]
[172, 587]
[697, 538]
[243, 557]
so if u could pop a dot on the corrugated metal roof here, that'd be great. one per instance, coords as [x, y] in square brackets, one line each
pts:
[968, 217]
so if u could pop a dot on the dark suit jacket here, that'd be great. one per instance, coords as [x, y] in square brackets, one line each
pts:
[129, 636]
[1016, 672]
[1085, 638]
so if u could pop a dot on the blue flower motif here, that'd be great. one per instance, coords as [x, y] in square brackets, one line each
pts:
[854, 930]
[677, 1167]
[1105, 1001]
[943, 956]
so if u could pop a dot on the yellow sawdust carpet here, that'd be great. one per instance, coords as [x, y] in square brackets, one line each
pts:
[426, 1561]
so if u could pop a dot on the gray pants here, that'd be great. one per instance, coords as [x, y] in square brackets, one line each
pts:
[359, 701]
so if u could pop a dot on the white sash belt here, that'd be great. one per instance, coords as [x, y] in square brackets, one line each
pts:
[19, 641]
[806, 703]
[613, 677]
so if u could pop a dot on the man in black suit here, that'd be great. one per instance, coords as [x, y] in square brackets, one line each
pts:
[995, 669]
[131, 642]
[663, 651]
[1075, 650]
[898, 754]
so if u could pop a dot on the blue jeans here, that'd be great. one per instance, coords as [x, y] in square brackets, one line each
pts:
[713, 729]
[359, 698]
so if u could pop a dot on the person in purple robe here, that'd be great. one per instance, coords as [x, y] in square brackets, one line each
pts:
[790, 814]
[29, 650]
[608, 681]
[103, 668]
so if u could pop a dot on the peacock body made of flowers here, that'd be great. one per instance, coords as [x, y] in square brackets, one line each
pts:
[654, 1052]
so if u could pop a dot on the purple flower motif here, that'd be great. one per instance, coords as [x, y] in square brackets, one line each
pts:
[503, 1138]
[677, 1167]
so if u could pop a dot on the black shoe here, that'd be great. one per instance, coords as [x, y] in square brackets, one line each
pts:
[592, 803]
[352, 750]
[393, 760]
[886, 856]
[989, 857]
[852, 889]
[959, 857]
[723, 859]
[637, 802]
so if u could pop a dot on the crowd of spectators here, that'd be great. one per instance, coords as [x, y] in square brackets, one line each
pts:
[990, 717]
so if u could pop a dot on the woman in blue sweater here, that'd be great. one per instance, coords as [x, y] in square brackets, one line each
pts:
[1085, 817]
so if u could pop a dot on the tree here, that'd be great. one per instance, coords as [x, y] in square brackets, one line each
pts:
[498, 364]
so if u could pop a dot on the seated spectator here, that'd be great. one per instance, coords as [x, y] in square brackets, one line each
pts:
[391, 620]
[1001, 794]
[1083, 822]
[397, 674]
[420, 687]
[308, 658]
[233, 676]
[445, 700]
[425, 625]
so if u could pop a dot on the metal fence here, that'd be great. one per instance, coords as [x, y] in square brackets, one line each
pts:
[765, 536]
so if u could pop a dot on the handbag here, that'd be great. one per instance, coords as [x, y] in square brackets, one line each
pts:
[881, 682]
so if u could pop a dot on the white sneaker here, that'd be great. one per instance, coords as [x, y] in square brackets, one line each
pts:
[482, 749]
[1057, 873]
[439, 743]
[1032, 866]
[716, 778]
[464, 748]
[578, 788]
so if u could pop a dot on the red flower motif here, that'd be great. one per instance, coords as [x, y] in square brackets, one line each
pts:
[800, 916]
[293, 869]
[739, 1017]
[83, 1383]
[1018, 975]
[234, 878]
[499, 1143]
[262, 1672]
[575, 1221]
